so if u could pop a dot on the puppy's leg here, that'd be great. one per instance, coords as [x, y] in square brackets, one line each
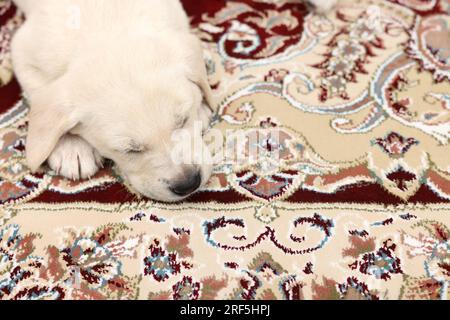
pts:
[323, 6]
[74, 158]
[205, 116]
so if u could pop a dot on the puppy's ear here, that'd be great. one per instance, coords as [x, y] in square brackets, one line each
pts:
[50, 118]
[197, 71]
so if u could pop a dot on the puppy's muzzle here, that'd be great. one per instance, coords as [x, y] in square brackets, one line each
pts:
[190, 183]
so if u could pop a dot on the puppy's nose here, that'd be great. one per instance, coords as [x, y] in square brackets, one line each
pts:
[187, 186]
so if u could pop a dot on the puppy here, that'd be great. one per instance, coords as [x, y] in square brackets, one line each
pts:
[114, 79]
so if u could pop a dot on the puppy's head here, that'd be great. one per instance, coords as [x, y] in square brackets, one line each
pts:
[129, 105]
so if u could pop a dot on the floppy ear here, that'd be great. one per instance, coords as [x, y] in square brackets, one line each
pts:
[49, 119]
[198, 73]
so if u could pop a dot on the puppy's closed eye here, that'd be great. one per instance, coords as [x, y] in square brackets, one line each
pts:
[134, 148]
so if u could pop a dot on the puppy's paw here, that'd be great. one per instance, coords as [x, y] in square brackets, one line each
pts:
[74, 158]
[323, 6]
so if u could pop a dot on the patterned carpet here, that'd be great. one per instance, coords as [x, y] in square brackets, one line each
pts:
[357, 208]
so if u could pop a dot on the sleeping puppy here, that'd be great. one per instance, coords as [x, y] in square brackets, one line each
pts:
[114, 79]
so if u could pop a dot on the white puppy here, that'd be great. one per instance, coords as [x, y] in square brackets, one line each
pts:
[114, 79]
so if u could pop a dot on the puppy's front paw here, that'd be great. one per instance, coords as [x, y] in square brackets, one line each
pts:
[74, 158]
[323, 6]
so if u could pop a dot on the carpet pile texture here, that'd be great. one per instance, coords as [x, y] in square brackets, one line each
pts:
[358, 207]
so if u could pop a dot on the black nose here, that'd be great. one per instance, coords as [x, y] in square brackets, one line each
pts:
[187, 186]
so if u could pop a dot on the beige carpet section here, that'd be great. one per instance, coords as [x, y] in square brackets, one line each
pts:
[352, 202]
[208, 253]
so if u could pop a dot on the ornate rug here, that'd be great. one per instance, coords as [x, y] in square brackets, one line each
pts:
[358, 207]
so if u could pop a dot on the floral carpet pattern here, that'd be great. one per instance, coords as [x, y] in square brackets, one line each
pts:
[358, 207]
